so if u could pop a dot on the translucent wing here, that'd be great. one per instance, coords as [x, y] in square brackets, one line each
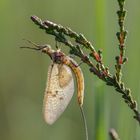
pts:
[59, 91]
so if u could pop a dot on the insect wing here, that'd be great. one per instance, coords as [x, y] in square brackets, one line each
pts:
[59, 91]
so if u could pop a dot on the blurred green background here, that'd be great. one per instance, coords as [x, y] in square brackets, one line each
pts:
[23, 73]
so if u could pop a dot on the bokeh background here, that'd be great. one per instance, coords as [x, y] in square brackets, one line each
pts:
[23, 73]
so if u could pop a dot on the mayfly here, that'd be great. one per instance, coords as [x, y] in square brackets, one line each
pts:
[60, 84]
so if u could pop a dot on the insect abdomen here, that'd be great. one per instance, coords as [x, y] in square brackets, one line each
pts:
[79, 78]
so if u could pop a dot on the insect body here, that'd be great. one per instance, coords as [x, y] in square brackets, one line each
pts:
[60, 84]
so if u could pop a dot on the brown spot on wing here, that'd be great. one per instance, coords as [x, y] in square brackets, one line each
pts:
[65, 75]
[61, 98]
[49, 92]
